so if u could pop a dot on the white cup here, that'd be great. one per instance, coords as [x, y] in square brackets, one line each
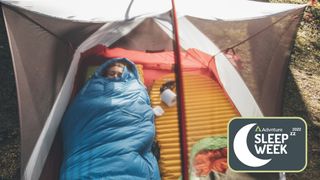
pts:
[158, 111]
[169, 97]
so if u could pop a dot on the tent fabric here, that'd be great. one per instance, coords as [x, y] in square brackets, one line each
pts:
[159, 60]
[45, 69]
[264, 67]
[193, 37]
[39, 85]
[108, 129]
[130, 9]
[228, 76]
[152, 39]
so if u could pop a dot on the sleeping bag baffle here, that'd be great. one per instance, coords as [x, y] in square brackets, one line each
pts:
[108, 129]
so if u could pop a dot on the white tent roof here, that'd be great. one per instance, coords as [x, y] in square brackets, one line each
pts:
[104, 10]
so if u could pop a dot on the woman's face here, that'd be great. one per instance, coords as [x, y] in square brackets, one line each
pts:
[115, 71]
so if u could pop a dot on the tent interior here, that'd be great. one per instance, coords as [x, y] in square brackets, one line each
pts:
[233, 65]
[200, 86]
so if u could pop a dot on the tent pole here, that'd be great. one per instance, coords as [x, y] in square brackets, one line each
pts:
[180, 97]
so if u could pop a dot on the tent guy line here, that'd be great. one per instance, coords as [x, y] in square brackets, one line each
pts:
[295, 13]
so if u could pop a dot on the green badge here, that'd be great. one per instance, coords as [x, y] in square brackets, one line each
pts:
[273, 144]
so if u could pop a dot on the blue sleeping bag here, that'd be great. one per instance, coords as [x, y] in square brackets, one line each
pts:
[108, 129]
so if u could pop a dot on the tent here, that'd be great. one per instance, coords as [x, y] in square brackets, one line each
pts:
[249, 43]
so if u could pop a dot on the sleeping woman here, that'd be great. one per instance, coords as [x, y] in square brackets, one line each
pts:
[108, 129]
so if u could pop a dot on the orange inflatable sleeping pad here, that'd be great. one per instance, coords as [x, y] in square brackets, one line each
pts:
[208, 111]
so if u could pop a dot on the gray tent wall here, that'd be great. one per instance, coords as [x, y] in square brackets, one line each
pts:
[146, 36]
[42, 58]
[41, 61]
[263, 46]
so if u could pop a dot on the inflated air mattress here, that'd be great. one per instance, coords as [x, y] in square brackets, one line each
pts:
[208, 112]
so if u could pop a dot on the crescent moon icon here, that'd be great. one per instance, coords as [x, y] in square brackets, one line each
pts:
[242, 151]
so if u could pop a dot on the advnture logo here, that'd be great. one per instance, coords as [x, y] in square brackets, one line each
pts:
[267, 144]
